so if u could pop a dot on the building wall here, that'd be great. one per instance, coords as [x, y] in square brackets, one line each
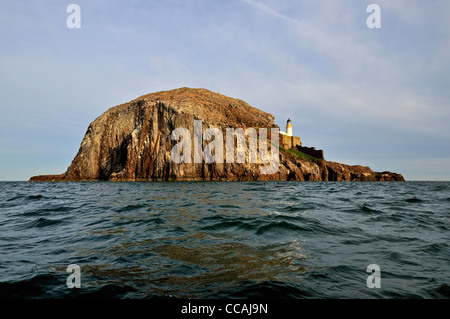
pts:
[288, 142]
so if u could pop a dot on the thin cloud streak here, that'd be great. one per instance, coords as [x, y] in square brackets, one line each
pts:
[388, 98]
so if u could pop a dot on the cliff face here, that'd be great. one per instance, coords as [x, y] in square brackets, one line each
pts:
[132, 142]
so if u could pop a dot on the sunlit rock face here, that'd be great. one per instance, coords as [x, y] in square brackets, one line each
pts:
[133, 142]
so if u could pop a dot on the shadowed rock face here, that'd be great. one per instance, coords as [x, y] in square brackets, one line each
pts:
[132, 142]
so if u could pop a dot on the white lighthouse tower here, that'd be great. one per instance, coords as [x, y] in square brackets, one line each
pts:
[289, 127]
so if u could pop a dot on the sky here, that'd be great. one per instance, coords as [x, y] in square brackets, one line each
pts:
[377, 97]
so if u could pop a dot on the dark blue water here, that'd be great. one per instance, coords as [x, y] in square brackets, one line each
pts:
[225, 240]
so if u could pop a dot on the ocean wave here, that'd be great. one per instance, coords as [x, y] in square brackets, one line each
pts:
[38, 286]
[47, 210]
[45, 222]
[442, 291]
[280, 228]
[129, 208]
[414, 200]
[265, 290]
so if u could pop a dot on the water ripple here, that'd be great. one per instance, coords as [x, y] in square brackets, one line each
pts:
[225, 240]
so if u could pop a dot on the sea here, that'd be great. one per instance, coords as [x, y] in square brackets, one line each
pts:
[225, 240]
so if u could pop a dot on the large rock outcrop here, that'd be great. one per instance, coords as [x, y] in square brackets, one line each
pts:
[132, 142]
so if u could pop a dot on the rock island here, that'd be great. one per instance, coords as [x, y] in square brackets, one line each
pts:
[133, 142]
